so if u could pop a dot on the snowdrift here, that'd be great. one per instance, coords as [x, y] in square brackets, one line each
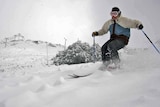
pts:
[26, 81]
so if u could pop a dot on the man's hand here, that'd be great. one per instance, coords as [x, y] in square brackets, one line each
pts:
[140, 27]
[95, 34]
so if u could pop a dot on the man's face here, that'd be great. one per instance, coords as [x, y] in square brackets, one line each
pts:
[114, 15]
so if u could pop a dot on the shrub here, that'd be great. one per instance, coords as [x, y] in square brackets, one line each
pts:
[77, 53]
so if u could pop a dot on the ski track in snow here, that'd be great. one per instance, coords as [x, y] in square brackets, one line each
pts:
[29, 82]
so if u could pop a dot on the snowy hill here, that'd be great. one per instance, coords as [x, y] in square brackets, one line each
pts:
[20, 54]
[26, 81]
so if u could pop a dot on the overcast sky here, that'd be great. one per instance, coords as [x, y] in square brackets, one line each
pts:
[54, 20]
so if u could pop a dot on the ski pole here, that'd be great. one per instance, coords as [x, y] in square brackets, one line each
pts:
[47, 52]
[151, 42]
[94, 50]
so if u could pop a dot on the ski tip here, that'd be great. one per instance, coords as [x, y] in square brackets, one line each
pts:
[79, 76]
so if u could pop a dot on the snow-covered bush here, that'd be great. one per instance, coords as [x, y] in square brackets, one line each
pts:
[77, 53]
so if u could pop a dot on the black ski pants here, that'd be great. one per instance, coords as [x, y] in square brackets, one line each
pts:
[110, 50]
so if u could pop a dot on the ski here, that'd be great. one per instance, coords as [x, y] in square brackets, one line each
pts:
[110, 67]
[79, 76]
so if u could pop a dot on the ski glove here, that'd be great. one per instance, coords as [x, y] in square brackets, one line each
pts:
[140, 27]
[95, 34]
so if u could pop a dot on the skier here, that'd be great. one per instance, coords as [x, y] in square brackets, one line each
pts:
[119, 28]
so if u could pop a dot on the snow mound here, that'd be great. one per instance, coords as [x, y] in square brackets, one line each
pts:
[136, 84]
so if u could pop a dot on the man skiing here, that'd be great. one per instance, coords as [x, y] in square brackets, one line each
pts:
[119, 28]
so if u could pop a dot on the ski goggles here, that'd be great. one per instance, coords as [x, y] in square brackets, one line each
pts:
[114, 13]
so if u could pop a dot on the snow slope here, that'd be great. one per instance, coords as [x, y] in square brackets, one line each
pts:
[29, 82]
[26, 54]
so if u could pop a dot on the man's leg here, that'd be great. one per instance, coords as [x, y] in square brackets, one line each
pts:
[106, 54]
[105, 51]
[114, 46]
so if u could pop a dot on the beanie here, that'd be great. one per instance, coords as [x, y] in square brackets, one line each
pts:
[115, 9]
